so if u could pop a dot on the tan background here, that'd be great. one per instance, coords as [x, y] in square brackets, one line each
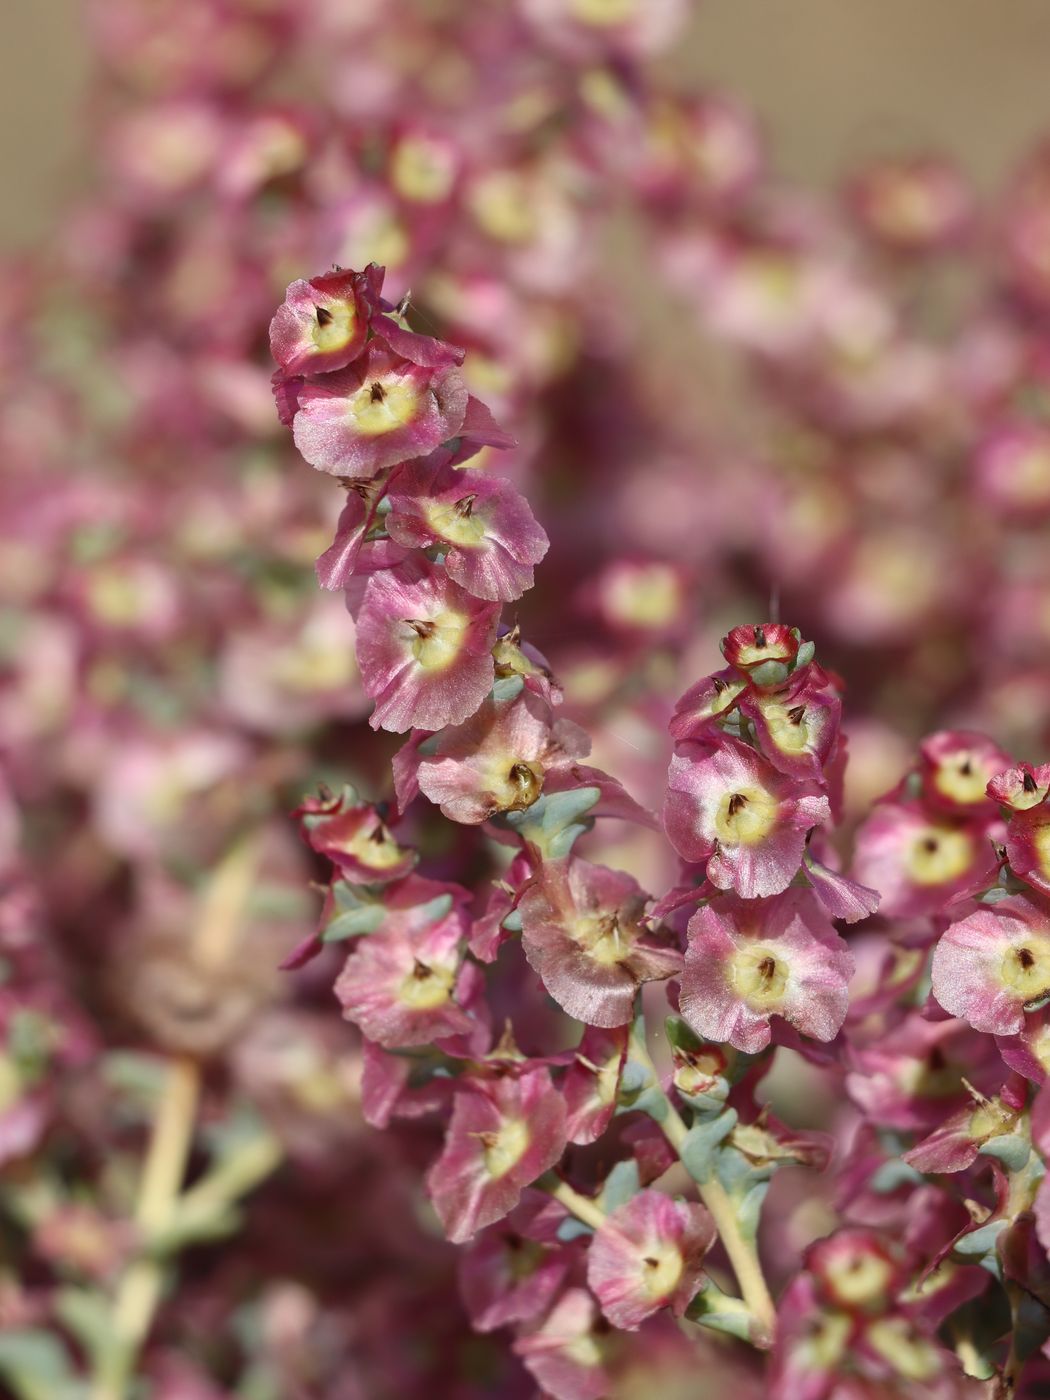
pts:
[833, 80]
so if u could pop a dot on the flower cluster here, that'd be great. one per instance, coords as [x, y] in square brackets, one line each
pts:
[171, 681]
[577, 1252]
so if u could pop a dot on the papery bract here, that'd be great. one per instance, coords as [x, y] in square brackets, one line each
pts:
[405, 982]
[731, 810]
[490, 537]
[647, 1255]
[749, 961]
[424, 648]
[990, 965]
[322, 323]
[582, 930]
[496, 760]
[378, 411]
[503, 1134]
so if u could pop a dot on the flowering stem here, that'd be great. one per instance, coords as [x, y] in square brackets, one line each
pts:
[742, 1255]
[140, 1288]
[580, 1206]
[222, 912]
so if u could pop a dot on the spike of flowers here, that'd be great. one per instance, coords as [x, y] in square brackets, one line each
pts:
[428, 550]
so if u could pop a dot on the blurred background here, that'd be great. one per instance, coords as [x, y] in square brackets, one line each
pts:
[835, 83]
[763, 290]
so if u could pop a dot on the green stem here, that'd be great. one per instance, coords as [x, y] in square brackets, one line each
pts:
[742, 1254]
[581, 1206]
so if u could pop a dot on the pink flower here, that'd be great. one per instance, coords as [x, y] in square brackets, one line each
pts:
[731, 810]
[321, 325]
[747, 962]
[856, 1270]
[592, 1082]
[424, 647]
[955, 1144]
[567, 1354]
[1021, 788]
[406, 982]
[957, 767]
[919, 862]
[1027, 844]
[752, 647]
[490, 537]
[379, 411]
[648, 1255]
[989, 966]
[697, 713]
[354, 837]
[503, 1134]
[582, 930]
[496, 760]
[513, 1270]
[796, 727]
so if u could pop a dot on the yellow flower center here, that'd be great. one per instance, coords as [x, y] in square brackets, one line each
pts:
[964, 780]
[333, 325]
[421, 170]
[603, 937]
[826, 1343]
[1029, 474]
[426, 988]
[504, 205]
[436, 642]
[907, 1352]
[938, 855]
[504, 1148]
[787, 726]
[759, 976]
[661, 1269]
[374, 847]
[513, 785]
[745, 816]
[648, 597]
[991, 1119]
[1041, 846]
[603, 12]
[457, 522]
[1025, 968]
[381, 406]
[860, 1279]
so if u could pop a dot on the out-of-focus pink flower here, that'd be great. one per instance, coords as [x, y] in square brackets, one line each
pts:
[917, 205]
[647, 1255]
[957, 766]
[919, 862]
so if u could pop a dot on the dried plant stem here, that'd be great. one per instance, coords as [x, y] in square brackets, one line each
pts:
[140, 1288]
[222, 912]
